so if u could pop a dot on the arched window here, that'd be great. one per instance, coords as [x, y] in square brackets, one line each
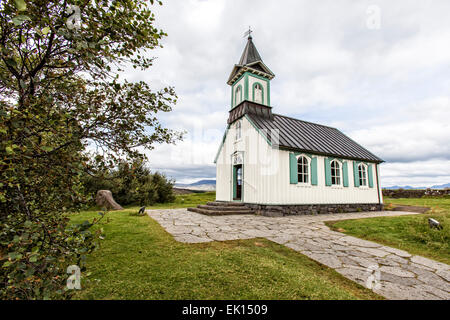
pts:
[362, 175]
[335, 173]
[302, 170]
[238, 96]
[238, 130]
[258, 98]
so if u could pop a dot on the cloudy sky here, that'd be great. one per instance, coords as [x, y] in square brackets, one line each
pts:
[377, 70]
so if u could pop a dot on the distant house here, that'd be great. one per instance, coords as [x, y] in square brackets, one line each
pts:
[278, 164]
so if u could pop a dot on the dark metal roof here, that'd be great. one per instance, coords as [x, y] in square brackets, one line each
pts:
[298, 135]
[250, 61]
[250, 53]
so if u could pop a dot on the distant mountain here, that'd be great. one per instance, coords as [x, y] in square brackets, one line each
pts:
[442, 186]
[402, 187]
[203, 182]
[203, 185]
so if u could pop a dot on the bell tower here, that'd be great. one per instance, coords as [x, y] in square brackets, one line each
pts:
[250, 78]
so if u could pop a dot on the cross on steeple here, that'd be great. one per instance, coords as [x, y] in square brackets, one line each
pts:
[248, 33]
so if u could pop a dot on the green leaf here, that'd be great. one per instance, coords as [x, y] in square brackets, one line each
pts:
[45, 30]
[20, 18]
[15, 256]
[21, 5]
[29, 272]
[7, 264]
[11, 62]
[9, 150]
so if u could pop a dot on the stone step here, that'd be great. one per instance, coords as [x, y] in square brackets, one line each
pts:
[219, 213]
[225, 204]
[222, 208]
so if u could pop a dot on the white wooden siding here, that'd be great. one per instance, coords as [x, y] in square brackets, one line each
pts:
[266, 175]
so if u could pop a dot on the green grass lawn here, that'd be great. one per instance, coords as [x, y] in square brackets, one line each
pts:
[187, 200]
[138, 259]
[410, 233]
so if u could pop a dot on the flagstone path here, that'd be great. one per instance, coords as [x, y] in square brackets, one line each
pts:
[390, 272]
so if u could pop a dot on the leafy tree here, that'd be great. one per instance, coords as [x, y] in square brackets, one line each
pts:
[60, 93]
[132, 183]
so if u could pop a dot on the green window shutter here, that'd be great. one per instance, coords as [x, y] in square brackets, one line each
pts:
[370, 175]
[345, 174]
[327, 171]
[293, 168]
[234, 182]
[314, 171]
[356, 173]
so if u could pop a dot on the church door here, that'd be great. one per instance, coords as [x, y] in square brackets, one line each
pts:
[237, 182]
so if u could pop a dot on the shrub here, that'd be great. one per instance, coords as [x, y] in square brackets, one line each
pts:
[132, 183]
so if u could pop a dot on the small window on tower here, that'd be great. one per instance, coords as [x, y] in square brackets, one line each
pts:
[258, 93]
[238, 130]
[238, 96]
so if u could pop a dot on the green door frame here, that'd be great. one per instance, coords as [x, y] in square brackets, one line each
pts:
[234, 182]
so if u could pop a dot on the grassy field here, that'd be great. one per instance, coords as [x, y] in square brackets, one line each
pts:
[187, 200]
[138, 259]
[410, 233]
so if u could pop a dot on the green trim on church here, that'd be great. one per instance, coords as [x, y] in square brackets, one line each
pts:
[251, 62]
[246, 89]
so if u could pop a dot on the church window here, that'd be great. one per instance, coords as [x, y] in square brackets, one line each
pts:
[238, 96]
[362, 175]
[258, 98]
[302, 170]
[335, 173]
[238, 130]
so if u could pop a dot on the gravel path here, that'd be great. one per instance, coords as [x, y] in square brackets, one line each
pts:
[390, 272]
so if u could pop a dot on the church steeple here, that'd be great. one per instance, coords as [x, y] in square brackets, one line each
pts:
[250, 78]
[250, 53]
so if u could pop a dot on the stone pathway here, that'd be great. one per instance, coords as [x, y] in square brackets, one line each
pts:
[390, 272]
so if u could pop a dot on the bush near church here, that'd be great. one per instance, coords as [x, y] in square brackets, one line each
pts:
[133, 183]
[416, 193]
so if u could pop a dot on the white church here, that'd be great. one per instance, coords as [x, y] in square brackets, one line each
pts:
[276, 165]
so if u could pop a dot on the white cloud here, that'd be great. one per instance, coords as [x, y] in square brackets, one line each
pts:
[388, 89]
[416, 174]
[419, 132]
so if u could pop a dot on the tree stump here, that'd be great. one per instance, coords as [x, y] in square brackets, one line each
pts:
[105, 199]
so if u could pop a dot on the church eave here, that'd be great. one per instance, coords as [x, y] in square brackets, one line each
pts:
[236, 75]
[263, 66]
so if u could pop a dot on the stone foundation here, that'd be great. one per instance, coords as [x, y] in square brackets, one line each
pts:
[311, 209]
